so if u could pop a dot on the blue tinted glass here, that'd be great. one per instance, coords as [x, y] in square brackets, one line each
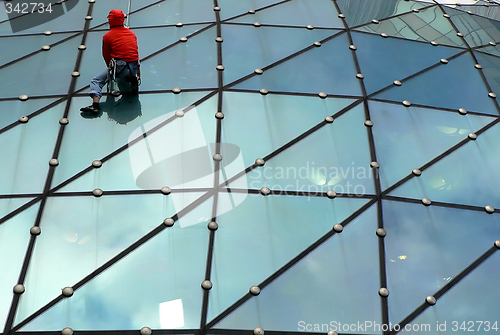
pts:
[309, 291]
[11, 111]
[466, 176]
[492, 50]
[423, 250]
[443, 86]
[491, 67]
[397, 128]
[241, 54]
[329, 68]
[101, 10]
[160, 280]
[396, 58]
[14, 238]
[230, 8]
[319, 13]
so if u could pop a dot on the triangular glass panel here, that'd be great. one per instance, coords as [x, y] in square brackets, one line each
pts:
[329, 68]
[11, 111]
[422, 249]
[487, 9]
[360, 12]
[240, 59]
[318, 13]
[28, 149]
[467, 176]
[489, 49]
[338, 281]
[491, 70]
[156, 285]
[257, 238]
[428, 132]
[470, 304]
[443, 87]
[14, 239]
[427, 25]
[230, 8]
[149, 153]
[101, 10]
[322, 161]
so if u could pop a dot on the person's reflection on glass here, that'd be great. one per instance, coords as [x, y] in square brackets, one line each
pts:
[121, 110]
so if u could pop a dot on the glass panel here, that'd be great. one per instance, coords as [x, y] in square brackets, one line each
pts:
[240, 59]
[329, 68]
[323, 160]
[139, 4]
[470, 305]
[53, 77]
[77, 154]
[443, 86]
[102, 8]
[485, 10]
[309, 291]
[230, 8]
[492, 50]
[427, 25]
[423, 249]
[491, 70]
[359, 12]
[14, 239]
[396, 58]
[466, 176]
[11, 111]
[319, 13]
[397, 128]
[157, 285]
[29, 148]
[194, 66]
[245, 256]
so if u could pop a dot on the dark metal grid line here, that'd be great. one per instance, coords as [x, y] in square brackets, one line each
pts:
[486, 53]
[201, 23]
[289, 264]
[220, 331]
[256, 10]
[39, 34]
[307, 194]
[117, 332]
[437, 203]
[337, 96]
[270, 25]
[129, 192]
[19, 209]
[36, 97]
[412, 316]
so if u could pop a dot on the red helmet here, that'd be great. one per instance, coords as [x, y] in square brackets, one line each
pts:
[116, 18]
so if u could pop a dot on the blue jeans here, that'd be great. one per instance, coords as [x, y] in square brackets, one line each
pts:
[124, 72]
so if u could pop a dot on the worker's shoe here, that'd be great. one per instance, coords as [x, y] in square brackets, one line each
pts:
[90, 108]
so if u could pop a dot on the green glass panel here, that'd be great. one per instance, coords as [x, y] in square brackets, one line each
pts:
[422, 249]
[157, 284]
[319, 13]
[29, 147]
[443, 87]
[230, 8]
[427, 25]
[428, 132]
[77, 154]
[329, 68]
[335, 283]
[323, 161]
[11, 111]
[485, 10]
[466, 176]
[14, 239]
[492, 50]
[491, 70]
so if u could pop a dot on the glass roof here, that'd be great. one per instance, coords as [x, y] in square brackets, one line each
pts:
[309, 166]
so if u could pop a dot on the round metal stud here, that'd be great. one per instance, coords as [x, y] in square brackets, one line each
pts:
[415, 10]
[179, 113]
[258, 71]
[381, 232]
[497, 244]
[169, 222]
[470, 13]
[310, 27]
[219, 39]
[353, 47]
[53, 162]
[258, 331]
[369, 123]
[260, 162]
[176, 90]
[46, 48]
[265, 191]
[460, 35]
[146, 331]
[179, 24]
[217, 157]
[254, 290]
[35, 230]
[384, 35]
[88, 17]
[329, 119]
[426, 201]
[434, 43]
[23, 97]
[263, 91]
[183, 39]
[216, 9]
[91, 1]
[478, 66]
[67, 331]
[212, 225]
[256, 24]
[462, 111]
[47, 33]
[165, 190]
[383, 292]
[444, 61]
[219, 115]
[375, 21]
[338, 227]
[75, 74]
[492, 95]
[331, 194]
[360, 76]
[206, 285]
[430, 300]
[472, 136]
[317, 44]
[406, 103]
[97, 192]
[397, 82]
[375, 164]
[446, 16]
[64, 121]
[322, 95]
[416, 172]
[19, 289]
[97, 164]
[342, 16]
[492, 44]
[489, 209]
[332, 332]
[251, 11]
[67, 291]
[82, 47]
[23, 119]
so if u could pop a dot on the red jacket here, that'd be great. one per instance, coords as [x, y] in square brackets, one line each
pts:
[120, 43]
